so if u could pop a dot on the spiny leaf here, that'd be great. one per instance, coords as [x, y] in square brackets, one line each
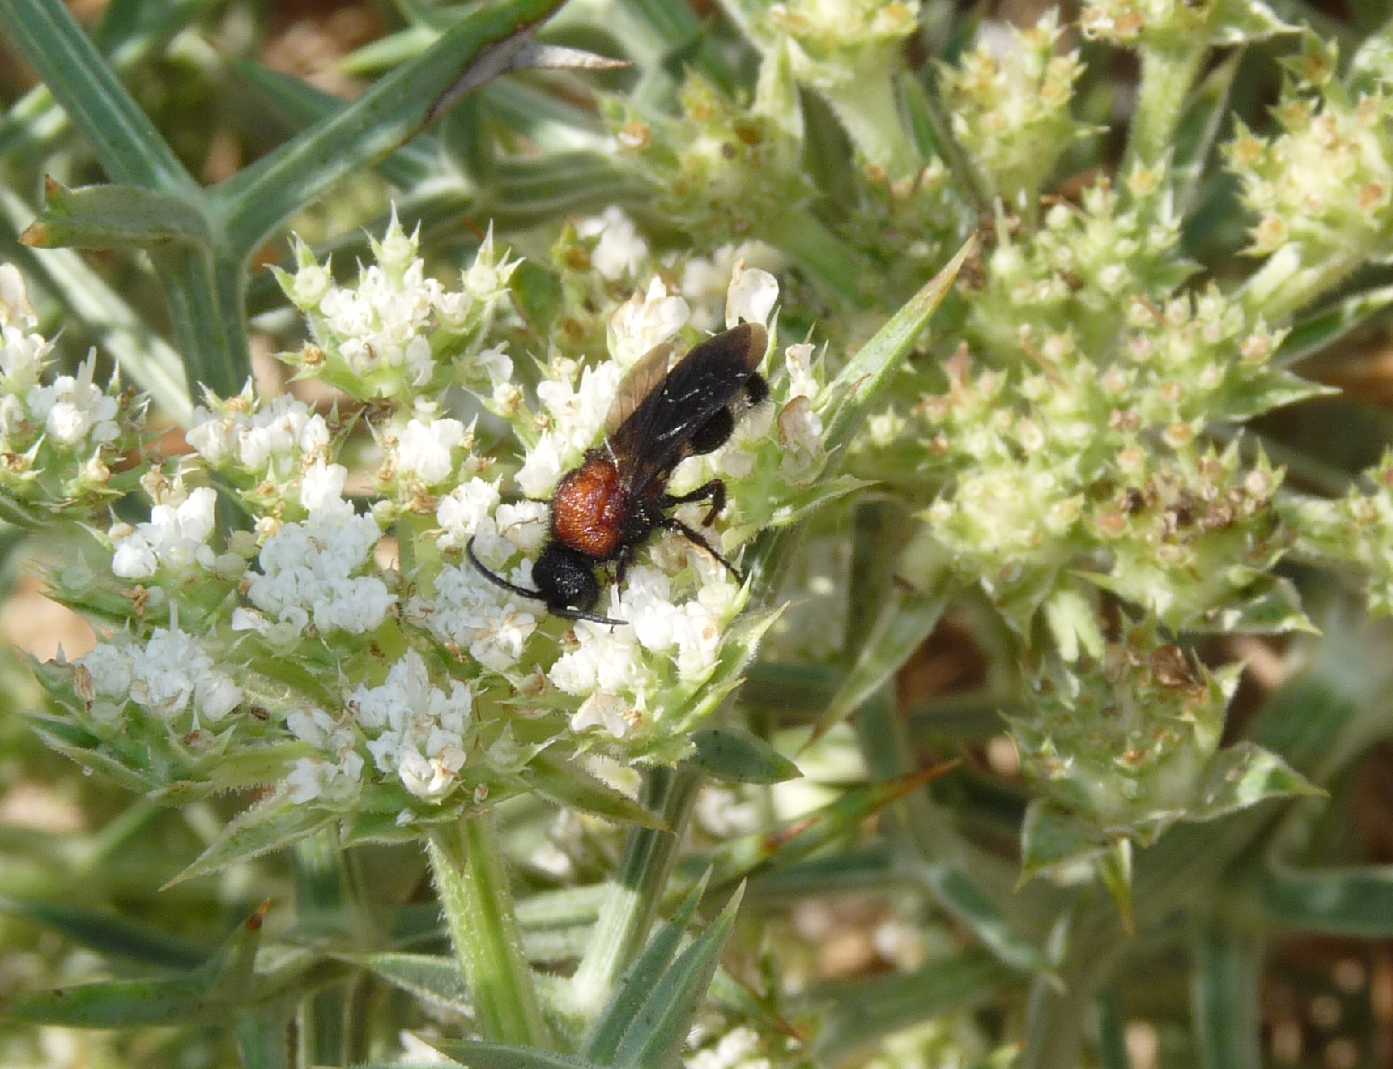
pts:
[261, 829]
[113, 217]
[567, 783]
[434, 978]
[499, 1056]
[859, 387]
[640, 980]
[201, 995]
[738, 756]
[108, 934]
[655, 1038]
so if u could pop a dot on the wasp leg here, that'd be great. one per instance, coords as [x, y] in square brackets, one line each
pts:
[671, 524]
[714, 492]
[626, 558]
[594, 618]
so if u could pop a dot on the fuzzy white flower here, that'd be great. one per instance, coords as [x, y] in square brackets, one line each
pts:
[168, 675]
[802, 382]
[416, 730]
[468, 611]
[22, 352]
[321, 489]
[542, 468]
[423, 449]
[72, 409]
[15, 308]
[464, 510]
[645, 320]
[525, 524]
[175, 537]
[751, 296]
[318, 777]
[384, 321]
[621, 250]
[706, 282]
[271, 437]
[307, 569]
[603, 710]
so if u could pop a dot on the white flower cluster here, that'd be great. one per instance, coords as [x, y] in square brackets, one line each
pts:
[424, 447]
[56, 437]
[70, 410]
[175, 537]
[22, 350]
[467, 612]
[319, 777]
[415, 730]
[169, 675]
[73, 411]
[308, 569]
[262, 437]
[380, 330]
[736, 1049]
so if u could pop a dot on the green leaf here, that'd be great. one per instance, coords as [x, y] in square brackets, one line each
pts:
[1053, 840]
[737, 756]
[273, 825]
[654, 1039]
[1243, 775]
[1224, 997]
[143, 355]
[433, 978]
[746, 855]
[859, 388]
[263, 1034]
[536, 295]
[1324, 328]
[129, 147]
[1274, 389]
[113, 217]
[640, 980]
[498, 1056]
[1199, 125]
[300, 105]
[962, 897]
[76, 745]
[570, 785]
[201, 995]
[258, 199]
[1352, 903]
[904, 622]
[108, 934]
[858, 1017]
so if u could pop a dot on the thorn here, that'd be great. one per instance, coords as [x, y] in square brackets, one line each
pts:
[35, 236]
[514, 54]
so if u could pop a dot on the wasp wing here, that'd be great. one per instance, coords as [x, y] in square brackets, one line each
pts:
[654, 421]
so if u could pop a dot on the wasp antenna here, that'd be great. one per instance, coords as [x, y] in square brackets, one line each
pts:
[576, 614]
[498, 580]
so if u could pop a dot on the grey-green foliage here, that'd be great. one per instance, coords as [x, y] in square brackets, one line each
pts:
[1055, 468]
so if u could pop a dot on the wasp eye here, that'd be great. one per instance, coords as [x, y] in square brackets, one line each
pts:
[566, 579]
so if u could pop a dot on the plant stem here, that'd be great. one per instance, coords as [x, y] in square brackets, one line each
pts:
[868, 110]
[472, 882]
[131, 150]
[1167, 73]
[632, 903]
[257, 200]
[924, 102]
[206, 313]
